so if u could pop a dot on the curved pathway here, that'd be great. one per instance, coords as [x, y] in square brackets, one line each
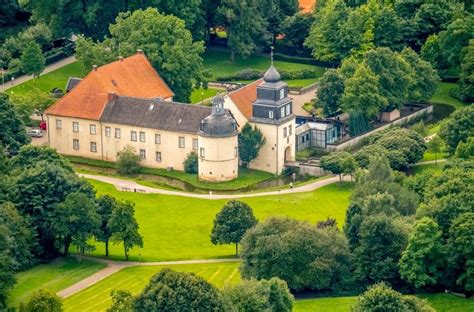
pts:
[115, 266]
[132, 186]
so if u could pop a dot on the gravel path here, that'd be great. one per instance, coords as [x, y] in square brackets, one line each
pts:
[132, 186]
[115, 266]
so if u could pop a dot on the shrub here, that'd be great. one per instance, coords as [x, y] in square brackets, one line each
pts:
[191, 163]
[128, 162]
[42, 301]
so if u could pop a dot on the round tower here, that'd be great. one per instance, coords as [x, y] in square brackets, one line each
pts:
[218, 145]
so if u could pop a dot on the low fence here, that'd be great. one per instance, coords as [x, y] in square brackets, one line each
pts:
[354, 141]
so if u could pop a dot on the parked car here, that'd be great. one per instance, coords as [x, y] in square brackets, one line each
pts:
[35, 133]
[42, 125]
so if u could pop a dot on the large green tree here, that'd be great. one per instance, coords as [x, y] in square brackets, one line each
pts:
[105, 206]
[422, 262]
[330, 91]
[164, 39]
[457, 128]
[7, 277]
[12, 129]
[32, 59]
[466, 81]
[42, 301]
[231, 223]
[339, 163]
[178, 291]
[125, 227]
[251, 141]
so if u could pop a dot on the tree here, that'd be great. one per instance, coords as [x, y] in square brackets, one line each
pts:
[339, 163]
[461, 246]
[30, 155]
[466, 81]
[457, 128]
[435, 146]
[263, 295]
[363, 155]
[408, 143]
[381, 297]
[42, 301]
[422, 262]
[251, 141]
[76, 220]
[37, 191]
[465, 150]
[32, 59]
[245, 25]
[358, 123]
[296, 29]
[124, 227]
[298, 253]
[330, 91]
[105, 206]
[381, 242]
[128, 162]
[122, 301]
[35, 101]
[362, 93]
[178, 291]
[166, 42]
[7, 277]
[23, 239]
[231, 223]
[191, 163]
[12, 129]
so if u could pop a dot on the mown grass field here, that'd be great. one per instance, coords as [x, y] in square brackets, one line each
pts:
[55, 276]
[202, 94]
[134, 279]
[176, 228]
[441, 303]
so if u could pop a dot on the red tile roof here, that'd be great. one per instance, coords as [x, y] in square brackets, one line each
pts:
[244, 97]
[307, 6]
[132, 76]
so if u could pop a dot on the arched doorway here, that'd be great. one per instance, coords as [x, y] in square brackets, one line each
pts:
[288, 155]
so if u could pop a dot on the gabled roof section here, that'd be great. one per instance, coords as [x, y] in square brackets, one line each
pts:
[244, 97]
[155, 114]
[133, 76]
[72, 82]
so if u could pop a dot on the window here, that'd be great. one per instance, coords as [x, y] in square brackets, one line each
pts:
[202, 152]
[75, 126]
[282, 112]
[181, 142]
[142, 154]
[75, 144]
[93, 147]
[117, 133]
[195, 144]
[107, 131]
[133, 136]
[290, 129]
[59, 124]
[157, 138]
[93, 129]
[236, 151]
[284, 132]
[282, 93]
[142, 136]
[270, 114]
[158, 156]
[287, 109]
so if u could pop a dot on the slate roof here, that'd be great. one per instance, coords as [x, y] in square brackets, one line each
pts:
[72, 82]
[244, 97]
[155, 114]
[132, 76]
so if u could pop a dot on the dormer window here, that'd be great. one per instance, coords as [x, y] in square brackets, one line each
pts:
[282, 93]
[270, 114]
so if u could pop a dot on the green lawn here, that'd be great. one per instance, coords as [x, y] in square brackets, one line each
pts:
[441, 302]
[176, 227]
[202, 94]
[220, 64]
[431, 156]
[442, 95]
[55, 276]
[420, 168]
[134, 279]
[57, 78]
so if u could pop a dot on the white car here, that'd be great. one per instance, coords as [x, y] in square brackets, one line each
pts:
[35, 133]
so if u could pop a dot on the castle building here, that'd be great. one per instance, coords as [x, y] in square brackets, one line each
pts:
[126, 103]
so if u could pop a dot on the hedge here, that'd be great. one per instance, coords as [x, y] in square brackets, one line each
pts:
[253, 74]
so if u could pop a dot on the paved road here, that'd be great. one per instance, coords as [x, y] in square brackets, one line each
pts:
[49, 68]
[128, 185]
[300, 99]
[115, 266]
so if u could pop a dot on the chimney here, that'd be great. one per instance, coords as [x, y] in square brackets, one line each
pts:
[94, 67]
[139, 51]
[121, 58]
[111, 97]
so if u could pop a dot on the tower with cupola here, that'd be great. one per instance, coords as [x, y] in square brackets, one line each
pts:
[272, 113]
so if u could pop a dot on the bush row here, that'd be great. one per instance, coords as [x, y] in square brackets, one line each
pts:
[253, 74]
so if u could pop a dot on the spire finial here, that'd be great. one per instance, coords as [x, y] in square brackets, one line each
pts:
[271, 55]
